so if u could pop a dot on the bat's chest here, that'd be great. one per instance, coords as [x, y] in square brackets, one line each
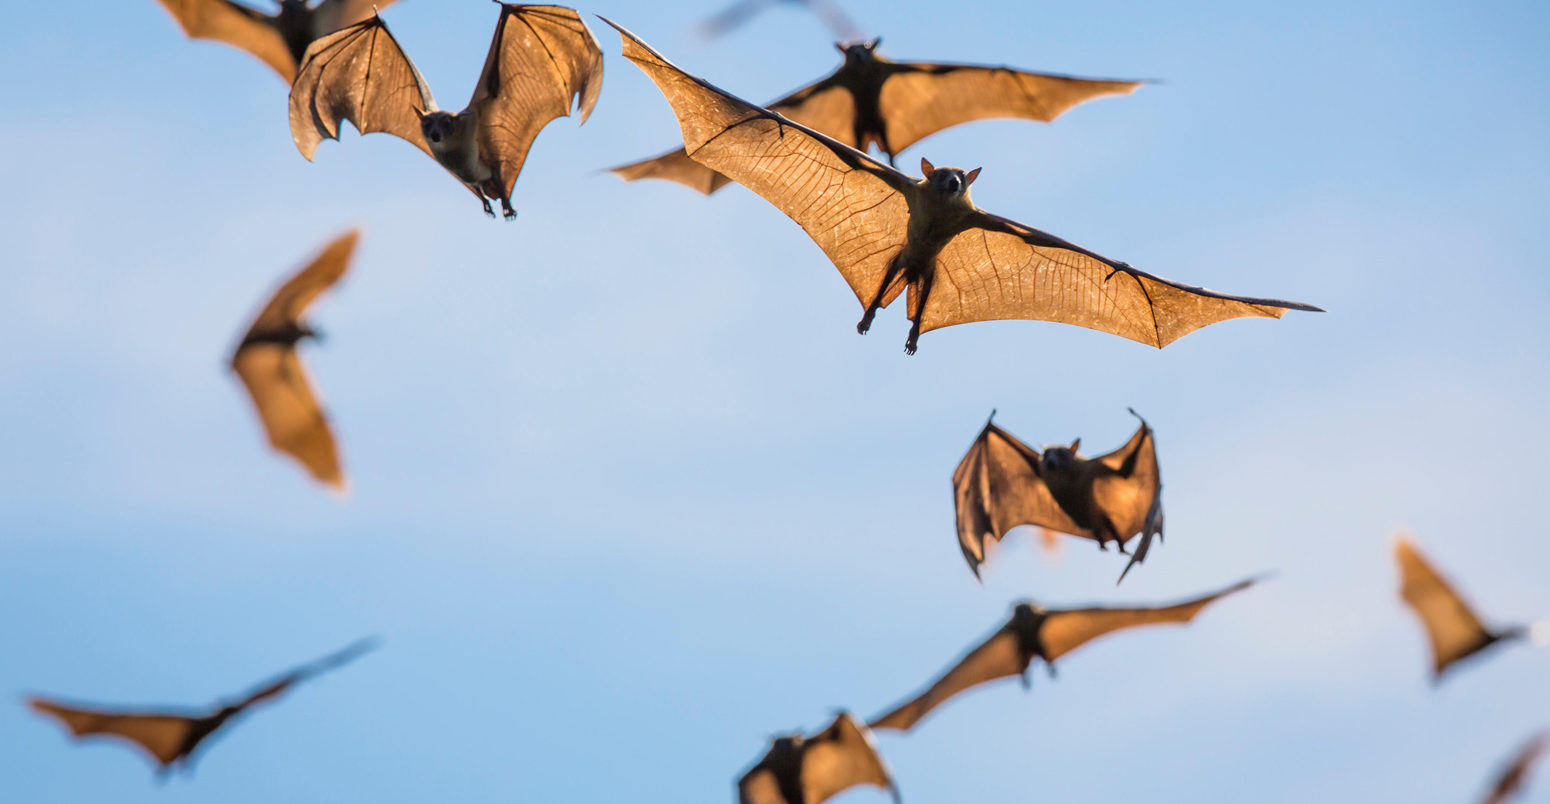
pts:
[1074, 496]
[931, 227]
[459, 154]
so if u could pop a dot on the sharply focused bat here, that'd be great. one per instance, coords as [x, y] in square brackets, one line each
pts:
[1511, 780]
[267, 362]
[887, 232]
[1451, 626]
[740, 12]
[1037, 632]
[870, 101]
[170, 736]
[279, 39]
[1002, 483]
[543, 59]
[809, 770]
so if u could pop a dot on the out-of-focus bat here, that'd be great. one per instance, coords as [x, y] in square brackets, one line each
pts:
[811, 769]
[171, 736]
[1510, 783]
[542, 59]
[871, 101]
[887, 232]
[267, 362]
[1452, 627]
[1037, 632]
[740, 12]
[1002, 483]
[279, 39]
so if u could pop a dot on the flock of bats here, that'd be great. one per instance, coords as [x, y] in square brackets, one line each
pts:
[887, 232]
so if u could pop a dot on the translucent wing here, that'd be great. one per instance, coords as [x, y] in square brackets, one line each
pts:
[1066, 630]
[292, 417]
[995, 489]
[1133, 502]
[839, 758]
[286, 307]
[162, 736]
[359, 74]
[240, 26]
[998, 657]
[1451, 626]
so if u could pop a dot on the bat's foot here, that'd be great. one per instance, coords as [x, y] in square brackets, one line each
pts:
[506, 211]
[1121, 546]
[488, 210]
[909, 343]
[866, 321]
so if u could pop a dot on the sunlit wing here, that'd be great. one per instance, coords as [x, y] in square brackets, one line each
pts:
[293, 298]
[359, 74]
[998, 657]
[161, 736]
[995, 489]
[1066, 630]
[1451, 626]
[236, 25]
[292, 417]
[840, 758]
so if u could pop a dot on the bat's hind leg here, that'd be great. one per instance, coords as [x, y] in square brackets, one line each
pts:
[483, 199]
[877, 300]
[919, 312]
[506, 211]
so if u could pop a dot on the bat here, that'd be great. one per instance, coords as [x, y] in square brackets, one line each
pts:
[267, 363]
[872, 101]
[802, 769]
[1452, 627]
[542, 59]
[171, 737]
[1037, 632]
[279, 39]
[887, 232]
[1510, 783]
[1002, 483]
[740, 12]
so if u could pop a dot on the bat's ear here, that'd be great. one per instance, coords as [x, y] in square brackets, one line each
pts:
[1076, 444]
[418, 112]
[926, 168]
[840, 46]
[969, 179]
[875, 43]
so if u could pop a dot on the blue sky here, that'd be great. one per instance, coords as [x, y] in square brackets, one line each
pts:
[628, 493]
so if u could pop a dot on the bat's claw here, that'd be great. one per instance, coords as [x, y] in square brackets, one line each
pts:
[506, 211]
[909, 346]
[488, 210]
[866, 322]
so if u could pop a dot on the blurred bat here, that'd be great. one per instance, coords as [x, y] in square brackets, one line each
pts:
[170, 736]
[811, 770]
[887, 232]
[542, 59]
[740, 12]
[1510, 783]
[1036, 632]
[279, 39]
[871, 101]
[1002, 483]
[267, 362]
[1453, 629]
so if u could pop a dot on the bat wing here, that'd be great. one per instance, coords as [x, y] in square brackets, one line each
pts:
[1132, 503]
[1451, 626]
[542, 59]
[281, 684]
[998, 657]
[853, 206]
[162, 736]
[286, 306]
[1511, 780]
[996, 489]
[335, 14]
[1066, 630]
[839, 758]
[240, 26]
[1005, 270]
[359, 74]
[920, 99]
[292, 417]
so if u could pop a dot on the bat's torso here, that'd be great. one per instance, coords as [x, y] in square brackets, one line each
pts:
[459, 153]
[298, 26]
[1073, 492]
[1025, 625]
[863, 78]
[286, 335]
[935, 219]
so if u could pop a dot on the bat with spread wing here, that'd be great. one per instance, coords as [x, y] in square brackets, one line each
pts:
[279, 39]
[1452, 627]
[269, 367]
[1511, 781]
[542, 60]
[872, 101]
[802, 769]
[740, 12]
[170, 737]
[887, 232]
[1002, 483]
[1037, 632]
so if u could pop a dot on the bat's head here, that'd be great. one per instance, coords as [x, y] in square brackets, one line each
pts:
[949, 181]
[858, 52]
[436, 127]
[1060, 459]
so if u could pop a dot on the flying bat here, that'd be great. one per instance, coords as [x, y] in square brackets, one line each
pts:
[872, 101]
[279, 39]
[1037, 632]
[740, 12]
[268, 365]
[171, 736]
[543, 59]
[1510, 783]
[1453, 629]
[812, 769]
[887, 232]
[1002, 483]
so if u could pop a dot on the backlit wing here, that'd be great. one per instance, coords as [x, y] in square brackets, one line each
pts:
[160, 735]
[839, 758]
[1066, 630]
[240, 26]
[1451, 626]
[998, 657]
[995, 489]
[359, 74]
[292, 417]
[290, 302]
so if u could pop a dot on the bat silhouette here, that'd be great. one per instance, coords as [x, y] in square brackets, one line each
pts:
[1510, 783]
[268, 365]
[1037, 632]
[1453, 629]
[740, 12]
[811, 769]
[542, 59]
[887, 232]
[171, 736]
[1002, 483]
[279, 39]
[870, 100]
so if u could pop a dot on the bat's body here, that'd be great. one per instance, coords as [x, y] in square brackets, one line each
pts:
[279, 39]
[887, 232]
[1452, 627]
[541, 60]
[871, 101]
[1512, 779]
[171, 737]
[1034, 632]
[810, 769]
